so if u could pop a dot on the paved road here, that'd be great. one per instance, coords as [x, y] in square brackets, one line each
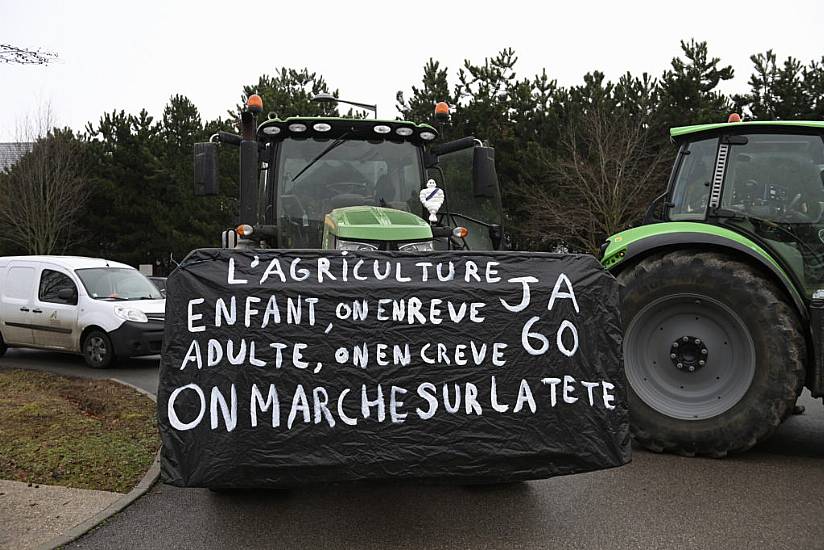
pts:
[771, 497]
[138, 371]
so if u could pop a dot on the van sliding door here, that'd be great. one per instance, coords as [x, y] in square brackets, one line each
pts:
[16, 304]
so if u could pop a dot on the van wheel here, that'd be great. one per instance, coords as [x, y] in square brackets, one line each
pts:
[97, 350]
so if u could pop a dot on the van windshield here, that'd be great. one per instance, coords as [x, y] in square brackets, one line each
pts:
[114, 283]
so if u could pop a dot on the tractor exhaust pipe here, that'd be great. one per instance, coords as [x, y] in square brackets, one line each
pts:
[249, 161]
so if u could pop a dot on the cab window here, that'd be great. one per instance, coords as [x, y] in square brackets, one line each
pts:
[777, 177]
[51, 283]
[691, 189]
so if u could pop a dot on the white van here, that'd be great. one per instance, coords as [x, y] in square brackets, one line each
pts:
[95, 307]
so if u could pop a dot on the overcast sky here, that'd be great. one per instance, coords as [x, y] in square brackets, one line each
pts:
[135, 54]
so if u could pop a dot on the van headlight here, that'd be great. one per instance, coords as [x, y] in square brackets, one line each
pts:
[354, 245]
[130, 314]
[425, 246]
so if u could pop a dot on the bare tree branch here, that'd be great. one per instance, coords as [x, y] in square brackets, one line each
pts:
[42, 195]
[24, 56]
[599, 183]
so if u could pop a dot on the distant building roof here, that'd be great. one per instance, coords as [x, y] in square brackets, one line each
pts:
[11, 152]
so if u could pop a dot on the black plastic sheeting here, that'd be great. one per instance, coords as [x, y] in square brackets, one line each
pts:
[406, 365]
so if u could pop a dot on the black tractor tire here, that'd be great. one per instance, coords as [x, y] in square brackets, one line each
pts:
[738, 383]
[3, 346]
[97, 349]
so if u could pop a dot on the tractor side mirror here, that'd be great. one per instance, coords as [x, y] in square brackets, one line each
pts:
[484, 176]
[205, 169]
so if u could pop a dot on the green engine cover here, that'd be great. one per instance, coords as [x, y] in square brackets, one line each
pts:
[373, 223]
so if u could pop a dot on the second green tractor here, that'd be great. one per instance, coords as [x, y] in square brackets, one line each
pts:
[723, 293]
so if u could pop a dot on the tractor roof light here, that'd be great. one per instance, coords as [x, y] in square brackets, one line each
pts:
[403, 131]
[442, 111]
[734, 117]
[271, 130]
[321, 127]
[427, 135]
[382, 129]
[297, 128]
[254, 104]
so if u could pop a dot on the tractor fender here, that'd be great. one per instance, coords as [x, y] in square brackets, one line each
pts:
[626, 248]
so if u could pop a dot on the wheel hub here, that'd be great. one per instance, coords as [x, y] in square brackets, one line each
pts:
[706, 391]
[688, 353]
[96, 349]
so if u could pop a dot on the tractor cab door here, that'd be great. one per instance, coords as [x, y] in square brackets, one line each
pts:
[473, 197]
[692, 180]
[774, 191]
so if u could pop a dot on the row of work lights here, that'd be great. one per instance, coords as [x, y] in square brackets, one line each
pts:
[362, 128]
[322, 127]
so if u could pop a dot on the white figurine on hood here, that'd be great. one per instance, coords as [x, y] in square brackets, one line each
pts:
[432, 198]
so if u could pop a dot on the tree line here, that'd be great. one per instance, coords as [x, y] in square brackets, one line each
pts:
[575, 163]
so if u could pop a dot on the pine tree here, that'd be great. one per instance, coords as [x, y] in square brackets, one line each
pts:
[289, 93]
[434, 88]
[689, 90]
[791, 91]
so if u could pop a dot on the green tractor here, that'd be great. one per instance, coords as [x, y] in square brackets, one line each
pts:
[356, 184]
[723, 288]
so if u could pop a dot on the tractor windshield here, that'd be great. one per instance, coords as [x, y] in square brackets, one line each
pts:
[315, 176]
[776, 183]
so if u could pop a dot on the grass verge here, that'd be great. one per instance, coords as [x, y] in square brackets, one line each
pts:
[75, 432]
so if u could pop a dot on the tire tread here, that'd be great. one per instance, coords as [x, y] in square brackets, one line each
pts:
[788, 343]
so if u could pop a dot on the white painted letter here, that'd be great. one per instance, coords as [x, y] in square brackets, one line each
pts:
[524, 396]
[229, 417]
[271, 401]
[192, 317]
[232, 280]
[524, 293]
[556, 293]
[172, 414]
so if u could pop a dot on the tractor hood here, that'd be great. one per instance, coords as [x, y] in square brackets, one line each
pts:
[374, 223]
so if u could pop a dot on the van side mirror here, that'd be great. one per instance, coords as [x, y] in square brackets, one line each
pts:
[484, 176]
[205, 169]
[67, 295]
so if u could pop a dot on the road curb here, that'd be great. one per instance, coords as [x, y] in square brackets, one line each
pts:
[140, 489]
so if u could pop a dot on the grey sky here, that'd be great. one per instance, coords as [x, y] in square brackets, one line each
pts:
[130, 55]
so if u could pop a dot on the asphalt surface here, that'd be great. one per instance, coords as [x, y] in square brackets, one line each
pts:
[770, 497]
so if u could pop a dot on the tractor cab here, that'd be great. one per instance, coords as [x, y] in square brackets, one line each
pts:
[358, 184]
[762, 180]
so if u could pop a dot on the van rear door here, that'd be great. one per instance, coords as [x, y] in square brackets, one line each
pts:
[16, 297]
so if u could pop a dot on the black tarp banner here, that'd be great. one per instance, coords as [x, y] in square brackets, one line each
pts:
[283, 367]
